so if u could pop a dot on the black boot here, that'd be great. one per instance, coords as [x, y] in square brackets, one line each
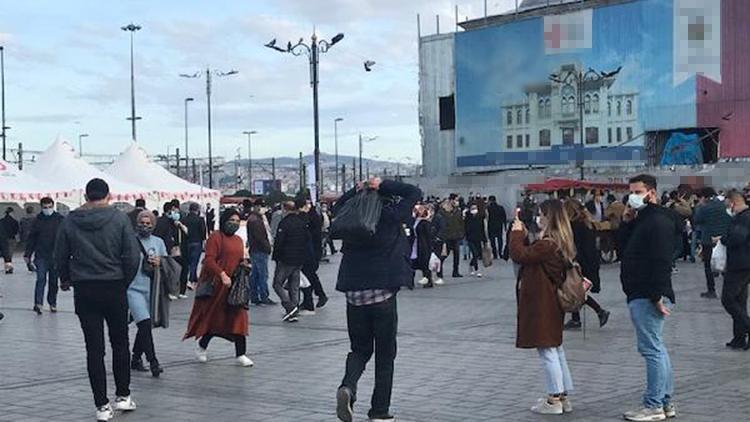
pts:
[136, 364]
[156, 369]
[603, 317]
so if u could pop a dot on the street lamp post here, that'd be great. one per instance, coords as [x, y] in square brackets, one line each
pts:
[187, 156]
[249, 134]
[579, 78]
[361, 141]
[80, 143]
[313, 52]
[336, 147]
[2, 94]
[132, 28]
[208, 72]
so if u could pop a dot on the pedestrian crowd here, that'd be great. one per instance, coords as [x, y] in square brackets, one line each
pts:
[128, 268]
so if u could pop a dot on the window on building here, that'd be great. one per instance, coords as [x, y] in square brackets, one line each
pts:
[528, 115]
[509, 119]
[592, 135]
[629, 133]
[595, 103]
[609, 135]
[519, 117]
[609, 108]
[545, 138]
[509, 142]
[587, 104]
[619, 135]
[569, 99]
[541, 111]
[447, 113]
[548, 108]
[619, 108]
[519, 141]
[564, 105]
[572, 105]
[528, 141]
[568, 135]
[629, 107]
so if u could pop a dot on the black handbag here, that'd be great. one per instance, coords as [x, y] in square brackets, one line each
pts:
[205, 289]
[239, 290]
[358, 218]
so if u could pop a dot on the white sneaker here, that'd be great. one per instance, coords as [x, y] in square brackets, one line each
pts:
[479, 275]
[172, 297]
[439, 282]
[423, 281]
[183, 296]
[126, 404]
[645, 415]
[566, 405]
[543, 407]
[201, 354]
[473, 273]
[104, 413]
[306, 312]
[245, 361]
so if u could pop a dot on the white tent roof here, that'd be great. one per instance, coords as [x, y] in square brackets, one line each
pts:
[134, 166]
[20, 187]
[60, 167]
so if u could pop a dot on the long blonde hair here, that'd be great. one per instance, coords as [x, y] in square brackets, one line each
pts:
[577, 212]
[558, 227]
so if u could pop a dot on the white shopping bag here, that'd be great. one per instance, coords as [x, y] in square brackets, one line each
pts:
[303, 281]
[434, 263]
[719, 257]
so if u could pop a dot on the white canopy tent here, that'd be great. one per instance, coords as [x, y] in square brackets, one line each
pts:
[134, 166]
[20, 188]
[61, 168]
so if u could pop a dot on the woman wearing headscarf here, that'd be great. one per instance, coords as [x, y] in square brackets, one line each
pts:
[139, 293]
[212, 316]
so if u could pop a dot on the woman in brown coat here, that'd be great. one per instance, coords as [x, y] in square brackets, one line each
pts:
[212, 316]
[540, 317]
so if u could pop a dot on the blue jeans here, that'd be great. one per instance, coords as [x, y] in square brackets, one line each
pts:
[45, 274]
[194, 256]
[557, 379]
[695, 236]
[649, 325]
[259, 276]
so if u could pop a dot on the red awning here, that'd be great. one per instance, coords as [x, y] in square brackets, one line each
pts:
[552, 185]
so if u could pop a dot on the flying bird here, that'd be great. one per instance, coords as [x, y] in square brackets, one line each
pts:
[368, 65]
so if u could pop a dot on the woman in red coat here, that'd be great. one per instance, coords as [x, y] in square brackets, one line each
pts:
[212, 316]
[540, 317]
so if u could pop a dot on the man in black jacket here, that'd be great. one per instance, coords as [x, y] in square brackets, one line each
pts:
[496, 222]
[370, 275]
[713, 221]
[41, 245]
[312, 263]
[259, 241]
[737, 272]
[196, 234]
[290, 252]
[647, 239]
[96, 252]
[5, 251]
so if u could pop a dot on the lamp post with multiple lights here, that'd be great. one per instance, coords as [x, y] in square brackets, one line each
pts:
[336, 147]
[249, 134]
[187, 155]
[132, 29]
[313, 52]
[361, 141]
[208, 73]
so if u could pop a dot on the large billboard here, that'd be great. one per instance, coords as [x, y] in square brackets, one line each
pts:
[521, 87]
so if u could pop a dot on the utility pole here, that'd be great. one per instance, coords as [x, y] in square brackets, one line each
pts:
[301, 173]
[132, 29]
[187, 155]
[343, 177]
[249, 134]
[177, 161]
[2, 95]
[354, 171]
[336, 143]
[20, 155]
[273, 169]
[195, 168]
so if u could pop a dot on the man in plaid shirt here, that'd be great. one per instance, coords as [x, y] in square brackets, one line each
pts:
[370, 275]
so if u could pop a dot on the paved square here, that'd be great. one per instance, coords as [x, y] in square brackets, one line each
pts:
[456, 362]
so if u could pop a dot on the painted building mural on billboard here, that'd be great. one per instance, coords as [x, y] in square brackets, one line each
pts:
[628, 69]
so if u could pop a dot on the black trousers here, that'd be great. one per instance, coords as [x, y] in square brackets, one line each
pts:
[592, 303]
[372, 328]
[734, 299]
[183, 261]
[453, 249]
[240, 342]
[706, 255]
[496, 241]
[95, 303]
[144, 342]
[310, 270]
[476, 254]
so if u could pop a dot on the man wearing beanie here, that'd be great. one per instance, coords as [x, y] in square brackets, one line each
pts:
[96, 253]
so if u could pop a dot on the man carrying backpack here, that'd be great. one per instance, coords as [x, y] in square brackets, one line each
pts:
[371, 273]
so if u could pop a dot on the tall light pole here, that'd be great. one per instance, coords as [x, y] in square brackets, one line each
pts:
[187, 156]
[208, 72]
[361, 141]
[313, 52]
[336, 143]
[2, 94]
[80, 143]
[249, 134]
[132, 28]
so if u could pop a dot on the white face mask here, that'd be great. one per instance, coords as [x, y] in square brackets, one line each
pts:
[636, 201]
[729, 211]
[48, 211]
[474, 212]
[538, 220]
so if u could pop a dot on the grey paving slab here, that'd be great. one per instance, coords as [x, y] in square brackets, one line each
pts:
[457, 360]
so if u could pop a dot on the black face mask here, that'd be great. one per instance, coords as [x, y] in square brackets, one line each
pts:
[143, 231]
[230, 228]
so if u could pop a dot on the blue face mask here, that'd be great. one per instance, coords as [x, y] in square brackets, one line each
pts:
[175, 216]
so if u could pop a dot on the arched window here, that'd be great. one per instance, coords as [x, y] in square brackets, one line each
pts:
[629, 107]
[510, 118]
[609, 108]
[541, 110]
[587, 104]
[619, 108]
[548, 108]
[528, 116]
[569, 100]
[519, 117]
[564, 105]
[595, 103]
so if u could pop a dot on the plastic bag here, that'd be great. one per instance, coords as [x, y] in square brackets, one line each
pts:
[358, 218]
[486, 256]
[434, 263]
[304, 282]
[719, 257]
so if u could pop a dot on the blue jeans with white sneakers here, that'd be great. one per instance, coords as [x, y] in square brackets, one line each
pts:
[557, 379]
[649, 327]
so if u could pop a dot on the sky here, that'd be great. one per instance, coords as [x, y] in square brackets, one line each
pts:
[67, 72]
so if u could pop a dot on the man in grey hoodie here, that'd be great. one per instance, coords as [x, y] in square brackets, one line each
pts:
[96, 252]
